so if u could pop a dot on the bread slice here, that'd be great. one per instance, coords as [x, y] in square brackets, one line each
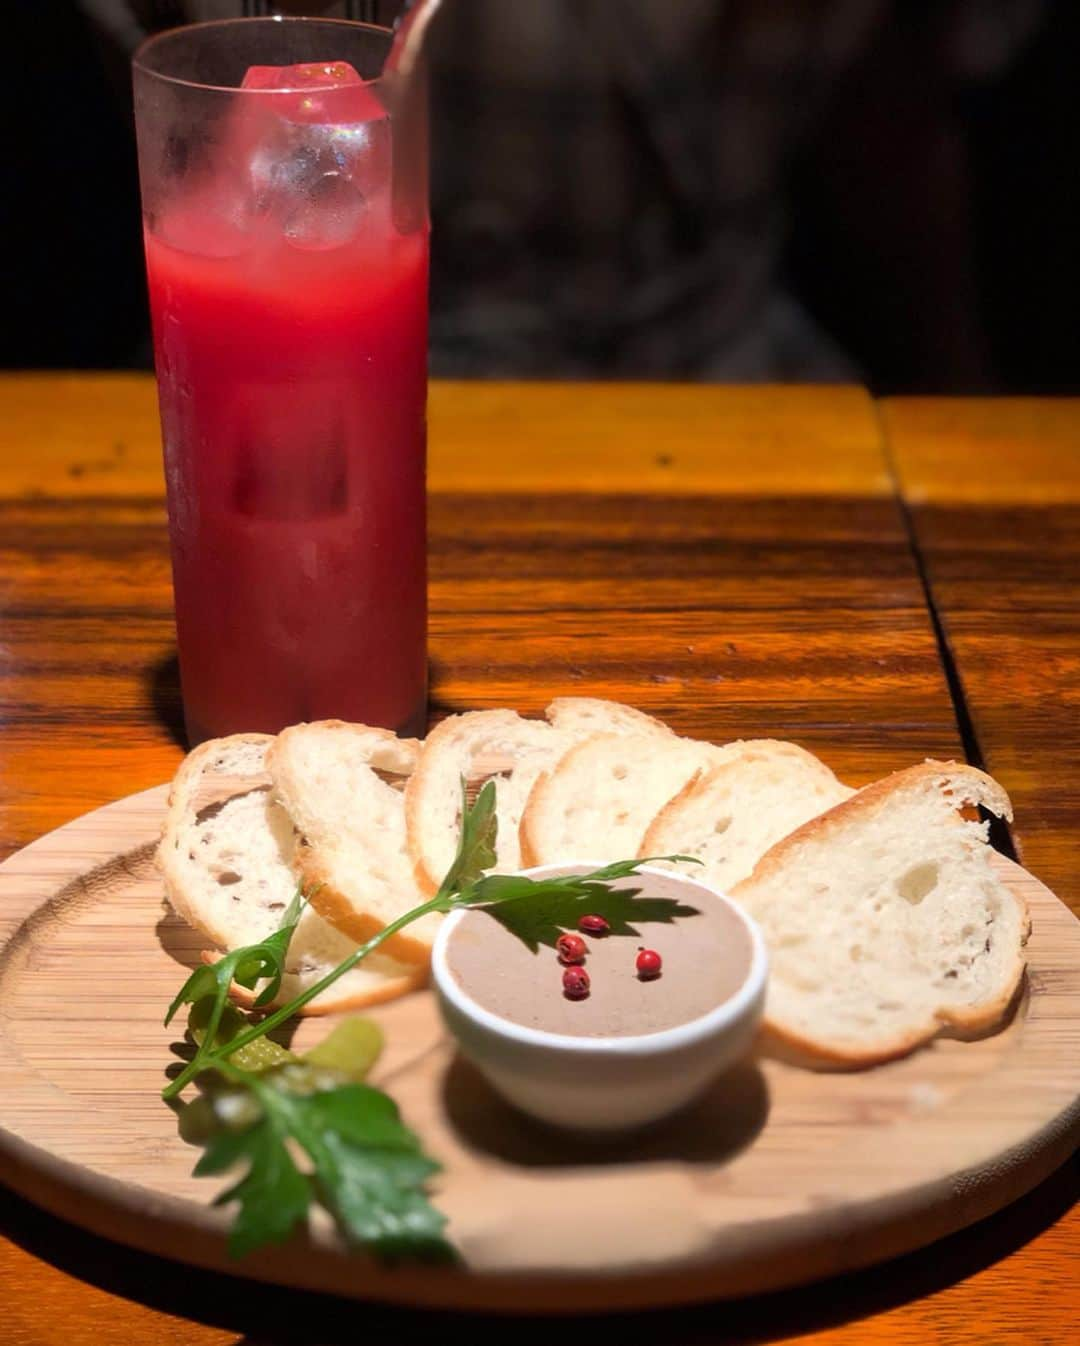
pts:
[600, 797]
[730, 816]
[886, 921]
[580, 716]
[342, 785]
[226, 855]
[502, 746]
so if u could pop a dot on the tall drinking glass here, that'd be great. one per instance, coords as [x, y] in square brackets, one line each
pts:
[286, 231]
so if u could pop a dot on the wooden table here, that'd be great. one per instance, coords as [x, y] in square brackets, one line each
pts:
[878, 583]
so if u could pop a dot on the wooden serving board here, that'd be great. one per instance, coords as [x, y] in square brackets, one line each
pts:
[779, 1175]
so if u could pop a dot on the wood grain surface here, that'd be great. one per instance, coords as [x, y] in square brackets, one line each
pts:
[993, 489]
[728, 605]
[774, 1176]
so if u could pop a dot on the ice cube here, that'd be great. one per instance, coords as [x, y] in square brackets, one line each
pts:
[327, 215]
[310, 75]
[309, 147]
[324, 92]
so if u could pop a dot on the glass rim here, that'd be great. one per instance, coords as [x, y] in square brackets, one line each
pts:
[262, 20]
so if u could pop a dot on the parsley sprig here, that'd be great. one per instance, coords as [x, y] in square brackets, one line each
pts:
[367, 1169]
[265, 1107]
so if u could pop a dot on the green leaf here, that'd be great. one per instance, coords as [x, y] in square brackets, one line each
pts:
[537, 911]
[273, 1196]
[379, 1201]
[621, 869]
[497, 888]
[245, 966]
[543, 919]
[371, 1174]
[367, 1169]
[201, 985]
[476, 844]
[226, 1147]
[272, 951]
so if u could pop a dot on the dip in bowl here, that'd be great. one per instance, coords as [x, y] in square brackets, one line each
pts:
[635, 1048]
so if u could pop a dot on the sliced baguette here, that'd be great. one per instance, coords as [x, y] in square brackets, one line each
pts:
[342, 785]
[502, 746]
[226, 855]
[598, 800]
[886, 921]
[730, 816]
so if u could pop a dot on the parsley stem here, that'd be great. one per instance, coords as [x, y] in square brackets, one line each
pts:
[279, 1016]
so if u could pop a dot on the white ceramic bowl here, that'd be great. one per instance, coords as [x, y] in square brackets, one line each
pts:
[604, 1084]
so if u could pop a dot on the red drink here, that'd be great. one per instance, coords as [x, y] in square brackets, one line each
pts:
[290, 339]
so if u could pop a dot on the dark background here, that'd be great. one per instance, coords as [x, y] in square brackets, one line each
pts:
[930, 221]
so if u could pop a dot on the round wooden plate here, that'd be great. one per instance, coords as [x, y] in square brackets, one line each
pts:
[779, 1175]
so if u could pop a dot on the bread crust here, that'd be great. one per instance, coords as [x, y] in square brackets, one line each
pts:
[414, 798]
[333, 906]
[528, 854]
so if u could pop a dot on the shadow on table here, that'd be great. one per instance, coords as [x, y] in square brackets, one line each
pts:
[264, 1315]
[723, 1121]
[162, 683]
[161, 687]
